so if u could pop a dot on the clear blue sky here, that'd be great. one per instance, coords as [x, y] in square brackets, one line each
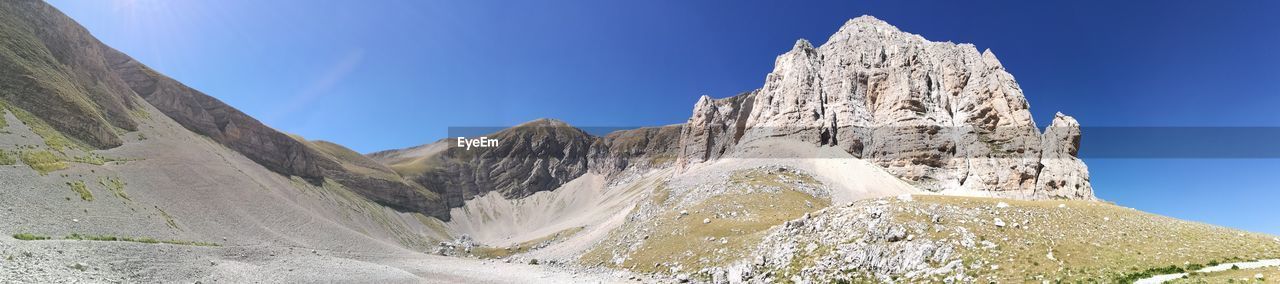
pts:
[375, 75]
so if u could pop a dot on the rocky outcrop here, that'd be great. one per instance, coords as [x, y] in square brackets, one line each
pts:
[1063, 174]
[943, 116]
[716, 125]
[54, 69]
[639, 149]
[535, 156]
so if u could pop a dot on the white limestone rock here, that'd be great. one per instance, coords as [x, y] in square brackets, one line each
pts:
[942, 116]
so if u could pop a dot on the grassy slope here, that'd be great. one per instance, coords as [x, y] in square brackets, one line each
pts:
[1071, 240]
[1271, 274]
[353, 161]
[36, 80]
[738, 220]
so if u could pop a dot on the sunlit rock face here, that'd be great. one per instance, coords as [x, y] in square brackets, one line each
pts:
[940, 115]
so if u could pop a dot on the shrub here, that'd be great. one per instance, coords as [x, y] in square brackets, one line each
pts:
[115, 186]
[29, 237]
[7, 159]
[78, 187]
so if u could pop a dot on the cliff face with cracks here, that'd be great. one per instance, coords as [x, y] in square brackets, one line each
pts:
[942, 116]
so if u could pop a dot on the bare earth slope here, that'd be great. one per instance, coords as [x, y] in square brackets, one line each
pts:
[176, 185]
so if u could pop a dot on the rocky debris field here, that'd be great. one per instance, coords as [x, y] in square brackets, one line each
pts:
[928, 238]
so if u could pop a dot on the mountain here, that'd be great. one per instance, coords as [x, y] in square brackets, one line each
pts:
[942, 116]
[539, 155]
[877, 157]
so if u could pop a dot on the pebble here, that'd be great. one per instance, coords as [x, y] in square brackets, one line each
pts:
[706, 220]
[999, 223]
[1002, 205]
[1060, 205]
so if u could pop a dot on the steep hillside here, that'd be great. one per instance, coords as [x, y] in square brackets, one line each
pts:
[51, 69]
[111, 172]
[76, 92]
[275, 150]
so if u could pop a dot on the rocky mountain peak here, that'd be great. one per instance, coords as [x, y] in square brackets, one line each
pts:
[802, 44]
[940, 115]
[544, 122]
[868, 21]
[989, 58]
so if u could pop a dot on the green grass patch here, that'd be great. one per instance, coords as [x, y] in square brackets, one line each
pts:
[687, 241]
[145, 240]
[662, 159]
[29, 237]
[1134, 277]
[92, 159]
[79, 187]
[168, 220]
[7, 159]
[115, 186]
[52, 138]
[43, 161]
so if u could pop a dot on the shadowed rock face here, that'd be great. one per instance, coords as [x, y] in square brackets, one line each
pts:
[531, 157]
[642, 148]
[943, 116]
[535, 156]
[54, 69]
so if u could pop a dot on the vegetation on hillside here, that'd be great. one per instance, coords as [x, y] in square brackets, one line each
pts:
[1051, 240]
[79, 187]
[43, 161]
[715, 231]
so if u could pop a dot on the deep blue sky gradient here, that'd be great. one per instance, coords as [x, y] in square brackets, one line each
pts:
[376, 75]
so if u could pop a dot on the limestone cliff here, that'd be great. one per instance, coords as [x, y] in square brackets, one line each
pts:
[943, 116]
